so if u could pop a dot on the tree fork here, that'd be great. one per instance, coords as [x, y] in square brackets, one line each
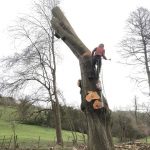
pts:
[98, 120]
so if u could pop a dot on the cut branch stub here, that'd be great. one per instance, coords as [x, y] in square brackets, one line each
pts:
[92, 95]
[65, 31]
[98, 104]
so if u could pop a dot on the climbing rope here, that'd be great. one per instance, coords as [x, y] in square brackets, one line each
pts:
[102, 83]
[103, 93]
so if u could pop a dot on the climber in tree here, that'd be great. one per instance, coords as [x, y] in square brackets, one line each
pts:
[97, 54]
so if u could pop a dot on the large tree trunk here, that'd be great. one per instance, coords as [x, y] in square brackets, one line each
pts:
[99, 129]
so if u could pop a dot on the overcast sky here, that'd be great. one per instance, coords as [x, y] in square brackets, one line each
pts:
[96, 21]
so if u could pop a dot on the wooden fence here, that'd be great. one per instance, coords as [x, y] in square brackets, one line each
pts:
[5, 142]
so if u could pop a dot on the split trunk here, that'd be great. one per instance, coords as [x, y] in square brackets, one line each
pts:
[98, 119]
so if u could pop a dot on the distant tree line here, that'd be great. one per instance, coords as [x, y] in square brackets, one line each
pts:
[72, 119]
[9, 101]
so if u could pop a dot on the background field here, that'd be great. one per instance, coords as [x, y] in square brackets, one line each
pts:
[33, 135]
[30, 134]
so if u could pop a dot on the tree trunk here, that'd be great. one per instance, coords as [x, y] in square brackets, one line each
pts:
[146, 62]
[99, 120]
[58, 122]
[56, 108]
[99, 133]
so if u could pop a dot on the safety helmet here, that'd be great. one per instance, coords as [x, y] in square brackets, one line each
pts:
[101, 45]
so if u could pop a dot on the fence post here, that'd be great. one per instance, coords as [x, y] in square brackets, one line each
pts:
[3, 142]
[10, 142]
[15, 142]
[38, 143]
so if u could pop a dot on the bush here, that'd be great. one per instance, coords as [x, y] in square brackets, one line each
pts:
[125, 127]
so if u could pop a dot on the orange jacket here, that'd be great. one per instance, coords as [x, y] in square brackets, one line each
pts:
[100, 51]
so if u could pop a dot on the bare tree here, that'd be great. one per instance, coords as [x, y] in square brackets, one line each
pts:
[136, 109]
[136, 45]
[35, 66]
[146, 109]
[98, 116]
[23, 108]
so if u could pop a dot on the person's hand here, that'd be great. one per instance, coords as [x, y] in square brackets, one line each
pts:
[109, 59]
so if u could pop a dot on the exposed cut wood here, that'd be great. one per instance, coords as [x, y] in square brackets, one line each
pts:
[92, 95]
[97, 104]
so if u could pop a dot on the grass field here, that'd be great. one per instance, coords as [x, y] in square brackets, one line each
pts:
[7, 113]
[29, 134]
[31, 131]
[146, 140]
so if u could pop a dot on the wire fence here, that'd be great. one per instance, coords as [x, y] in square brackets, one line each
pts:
[16, 143]
[5, 142]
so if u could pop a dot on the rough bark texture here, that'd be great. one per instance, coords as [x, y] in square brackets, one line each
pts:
[56, 104]
[58, 123]
[99, 133]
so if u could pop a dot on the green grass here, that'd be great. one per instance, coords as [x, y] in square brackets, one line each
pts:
[7, 113]
[115, 140]
[28, 135]
[145, 140]
[31, 131]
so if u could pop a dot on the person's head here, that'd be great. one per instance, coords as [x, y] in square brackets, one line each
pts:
[101, 45]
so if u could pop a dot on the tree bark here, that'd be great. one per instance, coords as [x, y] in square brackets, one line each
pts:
[57, 118]
[99, 120]
[57, 107]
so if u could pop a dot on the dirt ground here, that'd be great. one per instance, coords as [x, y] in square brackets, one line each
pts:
[133, 146]
[123, 146]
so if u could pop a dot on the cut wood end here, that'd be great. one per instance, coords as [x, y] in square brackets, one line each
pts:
[92, 95]
[97, 104]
